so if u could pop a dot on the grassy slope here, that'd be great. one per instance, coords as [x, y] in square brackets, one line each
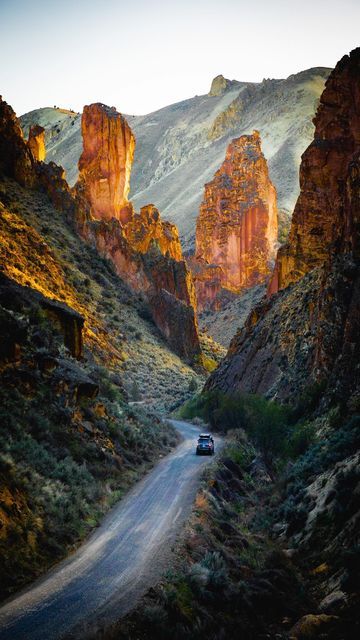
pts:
[40, 250]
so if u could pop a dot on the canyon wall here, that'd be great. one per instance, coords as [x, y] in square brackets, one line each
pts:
[147, 227]
[36, 142]
[16, 159]
[309, 333]
[145, 251]
[322, 224]
[237, 227]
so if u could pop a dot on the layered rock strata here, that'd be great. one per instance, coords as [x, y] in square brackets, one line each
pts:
[309, 333]
[236, 231]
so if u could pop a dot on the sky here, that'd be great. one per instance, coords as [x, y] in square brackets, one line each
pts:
[140, 55]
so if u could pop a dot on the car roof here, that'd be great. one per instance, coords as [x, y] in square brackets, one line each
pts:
[204, 435]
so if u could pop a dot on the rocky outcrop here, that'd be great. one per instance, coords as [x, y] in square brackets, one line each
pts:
[208, 283]
[36, 142]
[309, 333]
[65, 321]
[166, 284]
[219, 86]
[105, 163]
[237, 226]
[323, 222]
[145, 251]
[16, 159]
[147, 227]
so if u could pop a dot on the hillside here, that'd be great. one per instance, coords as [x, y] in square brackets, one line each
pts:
[180, 146]
[85, 374]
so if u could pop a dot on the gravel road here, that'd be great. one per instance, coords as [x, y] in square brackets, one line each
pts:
[126, 555]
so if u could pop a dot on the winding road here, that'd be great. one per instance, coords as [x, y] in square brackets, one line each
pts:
[126, 555]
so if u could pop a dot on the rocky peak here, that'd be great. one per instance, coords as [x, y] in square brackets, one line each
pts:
[237, 225]
[323, 222]
[219, 85]
[36, 142]
[105, 163]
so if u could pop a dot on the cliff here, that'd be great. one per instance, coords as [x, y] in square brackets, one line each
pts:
[322, 223]
[16, 159]
[147, 227]
[36, 142]
[145, 251]
[105, 162]
[237, 227]
[309, 333]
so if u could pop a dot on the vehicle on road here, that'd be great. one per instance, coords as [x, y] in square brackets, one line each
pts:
[205, 445]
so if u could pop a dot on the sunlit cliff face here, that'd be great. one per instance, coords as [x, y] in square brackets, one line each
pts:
[237, 226]
[106, 160]
[36, 142]
[148, 227]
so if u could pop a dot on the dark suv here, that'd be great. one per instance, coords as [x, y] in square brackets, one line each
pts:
[205, 444]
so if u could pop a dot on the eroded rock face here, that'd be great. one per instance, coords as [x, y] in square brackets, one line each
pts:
[323, 223]
[16, 159]
[219, 85]
[309, 333]
[145, 250]
[36, 142]
[166, 284]
[105, 163]
[237, 226]
[147, 227]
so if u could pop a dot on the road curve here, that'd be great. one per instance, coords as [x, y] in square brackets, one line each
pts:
[126, 555]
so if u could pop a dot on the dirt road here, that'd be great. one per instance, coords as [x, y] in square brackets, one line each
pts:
[119, 562]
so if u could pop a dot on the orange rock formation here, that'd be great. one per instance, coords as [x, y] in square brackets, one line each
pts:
[36, 142]
[237, 226]
[147, 227]
[321, 220]
[145, 250]
[309, 334]
[105, 163]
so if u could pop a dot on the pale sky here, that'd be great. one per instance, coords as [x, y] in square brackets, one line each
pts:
[140, 55]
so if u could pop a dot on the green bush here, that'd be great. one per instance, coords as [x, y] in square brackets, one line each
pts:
[266, 422]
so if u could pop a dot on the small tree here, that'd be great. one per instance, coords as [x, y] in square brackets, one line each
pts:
[267, 426]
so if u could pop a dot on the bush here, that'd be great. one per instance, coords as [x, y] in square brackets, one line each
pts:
[265, 422]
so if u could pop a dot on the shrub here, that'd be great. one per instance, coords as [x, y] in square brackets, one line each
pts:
[192, 385]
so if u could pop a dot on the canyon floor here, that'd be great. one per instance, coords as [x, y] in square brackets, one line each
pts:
[124, 557]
